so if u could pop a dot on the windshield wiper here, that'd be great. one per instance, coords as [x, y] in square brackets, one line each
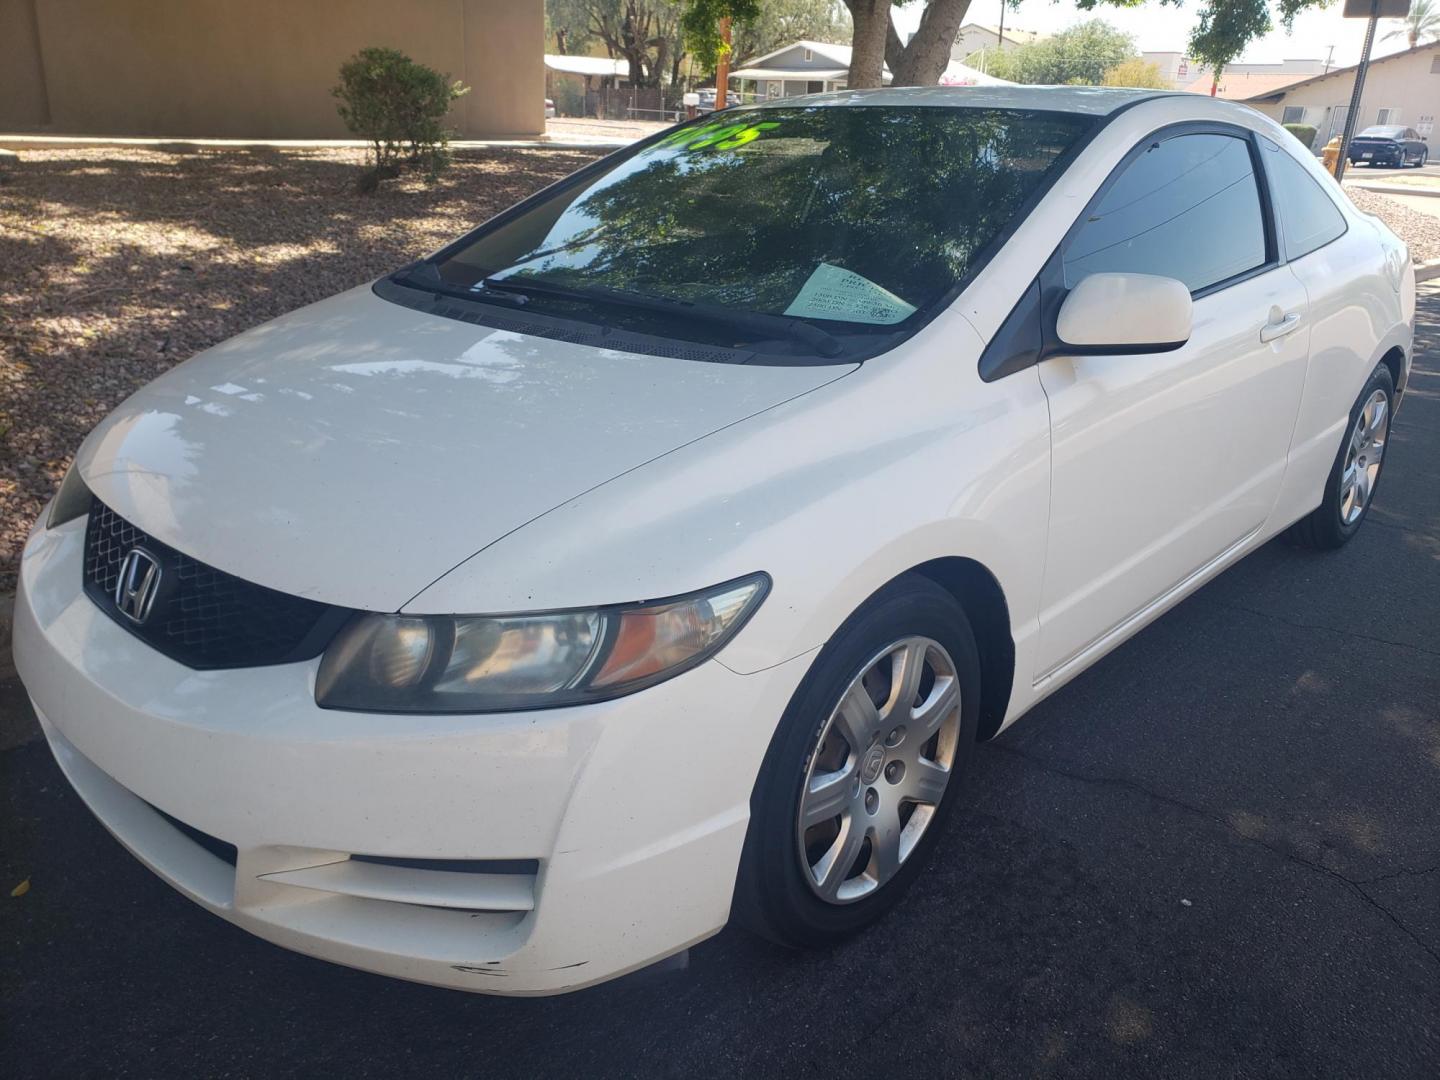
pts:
[426, 275]
[775, 325]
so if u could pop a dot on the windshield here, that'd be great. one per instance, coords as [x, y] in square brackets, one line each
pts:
[857, 220]
[1381, 133]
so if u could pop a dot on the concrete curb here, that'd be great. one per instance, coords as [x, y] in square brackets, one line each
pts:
[80, 142]
[1396, 189]
[1427, 271]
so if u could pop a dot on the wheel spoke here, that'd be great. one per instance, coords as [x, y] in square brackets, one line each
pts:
[908, 664]
[885, 849]
[1362, 488]
[832, 869]
[857, 719]
[1348, 492]
[1379, 412]
[925, 782]
[944, 697]
[827, 796]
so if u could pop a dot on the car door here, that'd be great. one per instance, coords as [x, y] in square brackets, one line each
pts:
[1163, 462]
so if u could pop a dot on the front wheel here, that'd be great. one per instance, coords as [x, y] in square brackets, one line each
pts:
[1350, 488]
[863, 770]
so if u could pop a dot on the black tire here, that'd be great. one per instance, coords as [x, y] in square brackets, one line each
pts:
[1324, 528]
[772, 896]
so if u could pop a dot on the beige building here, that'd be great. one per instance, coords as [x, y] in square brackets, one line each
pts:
[255, 68]
[1403, 88]
[973, 38]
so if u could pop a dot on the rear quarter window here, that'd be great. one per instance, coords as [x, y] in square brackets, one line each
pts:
[1309, 218]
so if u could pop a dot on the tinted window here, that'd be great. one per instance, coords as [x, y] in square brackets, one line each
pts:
[852, 217]
[1308, 218]
[1186, 208]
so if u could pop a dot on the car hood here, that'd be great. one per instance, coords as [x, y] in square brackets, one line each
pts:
[354, 451]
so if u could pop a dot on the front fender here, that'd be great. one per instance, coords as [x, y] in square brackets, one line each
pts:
[910, 459]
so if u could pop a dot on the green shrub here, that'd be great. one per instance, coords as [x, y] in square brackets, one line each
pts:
[399, 107]
[1304, 132]
[569, 98]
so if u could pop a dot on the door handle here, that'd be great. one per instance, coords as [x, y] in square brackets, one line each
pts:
[1272, 330]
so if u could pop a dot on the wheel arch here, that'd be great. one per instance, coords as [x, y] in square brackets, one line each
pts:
[1395, 361]
[978, 591]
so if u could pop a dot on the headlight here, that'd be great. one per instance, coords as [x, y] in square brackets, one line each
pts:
[497, 663]
[71, 501]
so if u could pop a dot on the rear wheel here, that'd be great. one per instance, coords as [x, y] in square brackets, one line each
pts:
[1350, 488]
[863, 769]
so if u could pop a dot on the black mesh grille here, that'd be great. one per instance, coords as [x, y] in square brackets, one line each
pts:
[203, 617]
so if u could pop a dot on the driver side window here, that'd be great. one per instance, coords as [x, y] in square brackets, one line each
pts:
[1188, 207]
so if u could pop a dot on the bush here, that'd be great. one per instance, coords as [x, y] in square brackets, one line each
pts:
[1136, 72]
[569, 98]
[1305, 133]
[399, 106]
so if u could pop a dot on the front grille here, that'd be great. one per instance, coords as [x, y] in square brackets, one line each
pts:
[203, 617]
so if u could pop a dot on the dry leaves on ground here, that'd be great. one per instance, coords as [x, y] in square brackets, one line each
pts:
[116, 264]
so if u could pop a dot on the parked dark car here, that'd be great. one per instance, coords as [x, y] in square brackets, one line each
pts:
[1388, 145]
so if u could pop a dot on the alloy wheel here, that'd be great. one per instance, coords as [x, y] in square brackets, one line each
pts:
[1363, 457]
[878, 770]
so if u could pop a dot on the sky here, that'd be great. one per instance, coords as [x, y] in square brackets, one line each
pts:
[1166, 28]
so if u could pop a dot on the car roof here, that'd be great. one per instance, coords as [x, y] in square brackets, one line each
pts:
[1089, 100]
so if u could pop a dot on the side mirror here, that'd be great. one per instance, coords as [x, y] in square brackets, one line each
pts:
[1125, 313]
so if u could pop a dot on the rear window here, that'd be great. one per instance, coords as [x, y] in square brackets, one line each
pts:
[858, 221]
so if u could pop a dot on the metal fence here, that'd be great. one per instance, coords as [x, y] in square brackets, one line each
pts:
[632, 103]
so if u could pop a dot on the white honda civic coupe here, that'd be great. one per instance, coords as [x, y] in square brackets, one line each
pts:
[654, 555]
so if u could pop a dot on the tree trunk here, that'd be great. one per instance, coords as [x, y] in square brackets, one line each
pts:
[871, 19]
[894, 48]
[928, 52]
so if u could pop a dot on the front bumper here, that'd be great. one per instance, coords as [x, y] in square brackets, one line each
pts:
[573, 845]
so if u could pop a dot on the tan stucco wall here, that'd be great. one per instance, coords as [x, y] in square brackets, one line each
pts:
[1405, 83]
[264, 68]
[23, 103]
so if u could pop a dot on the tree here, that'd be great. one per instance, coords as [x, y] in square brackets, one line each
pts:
[782, 22]
[1225, 27]
[1422, 23]
[759, 27]
[645, 33]
[1080, 55]
[1135, 72]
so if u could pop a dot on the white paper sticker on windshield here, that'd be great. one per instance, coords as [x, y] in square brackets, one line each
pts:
[835, 293]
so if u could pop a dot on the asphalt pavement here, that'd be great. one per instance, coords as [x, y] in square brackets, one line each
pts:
[1217, 853]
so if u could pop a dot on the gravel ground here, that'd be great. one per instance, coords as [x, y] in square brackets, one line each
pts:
[1420, 231]
[116, 264]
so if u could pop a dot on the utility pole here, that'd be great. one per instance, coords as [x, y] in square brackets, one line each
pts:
[1002, 26]
[722, 69]
[1329, 57]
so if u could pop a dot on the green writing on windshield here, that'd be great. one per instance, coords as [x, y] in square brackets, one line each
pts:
[716, 135]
